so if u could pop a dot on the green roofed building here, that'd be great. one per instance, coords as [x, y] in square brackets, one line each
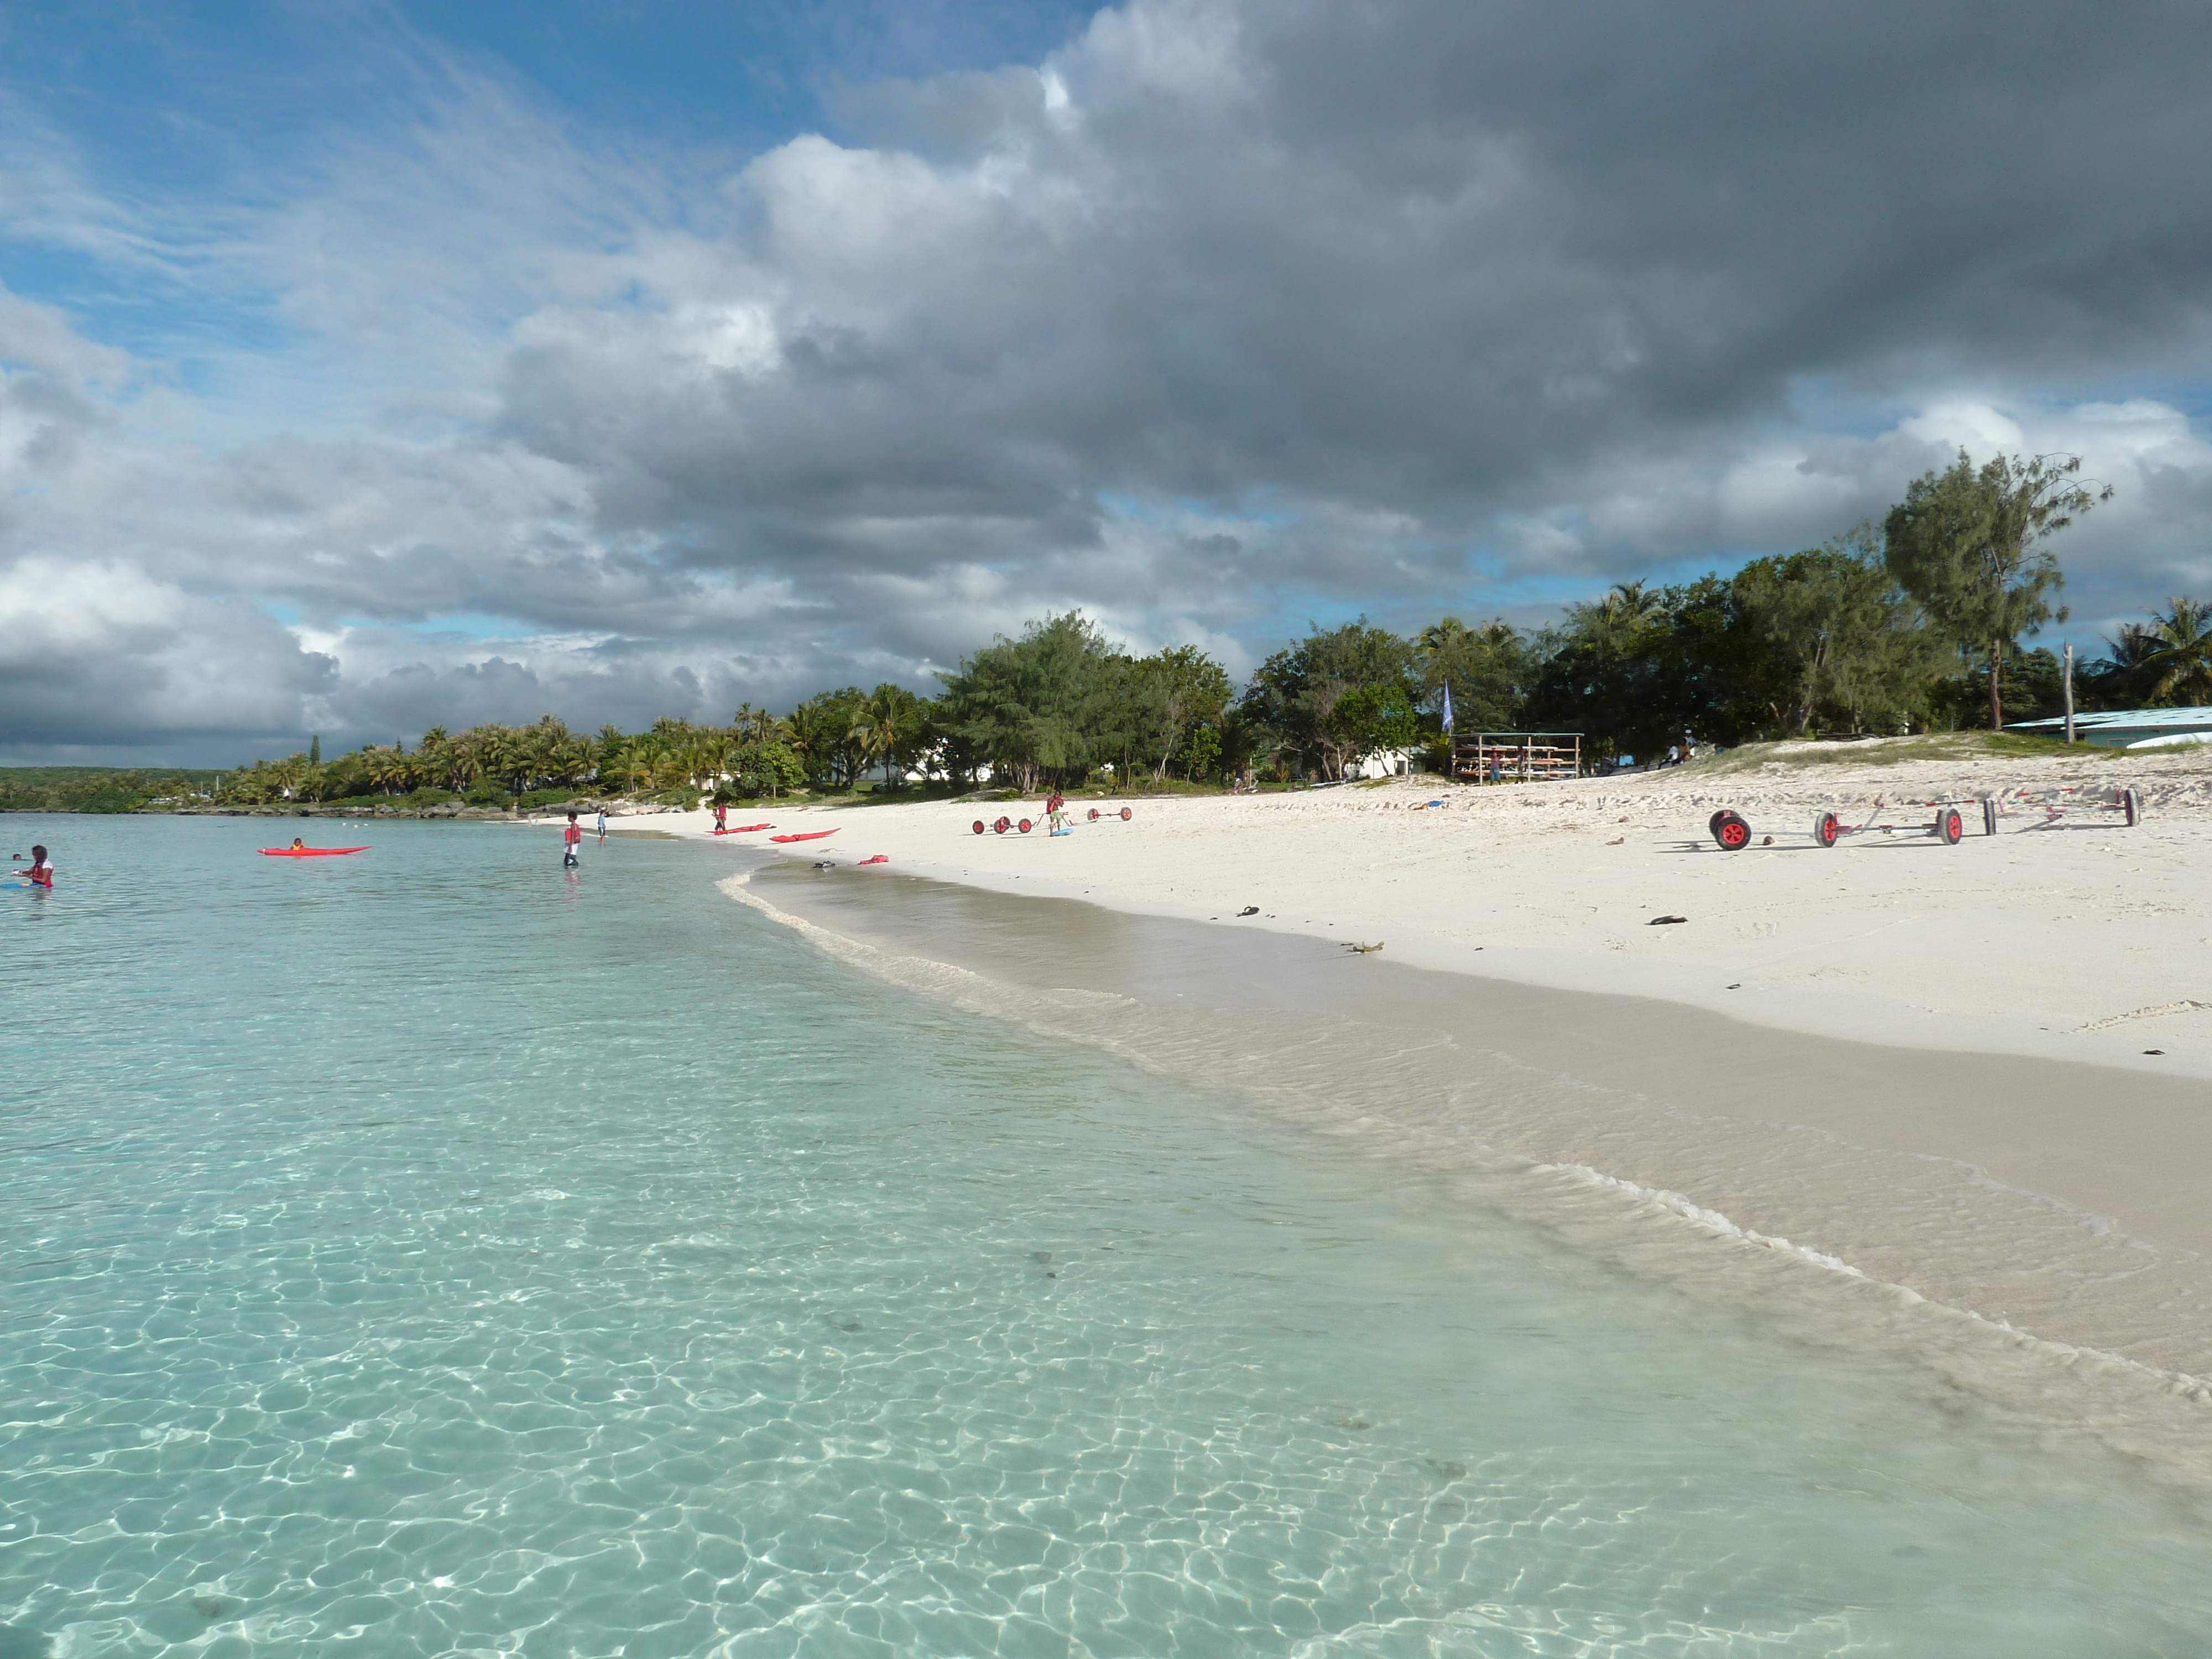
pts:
[2129, 728]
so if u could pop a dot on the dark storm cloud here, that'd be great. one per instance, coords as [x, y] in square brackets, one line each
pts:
[1222, 316]
[1435, 265]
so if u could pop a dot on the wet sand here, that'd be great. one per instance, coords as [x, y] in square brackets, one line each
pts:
[2039, 1223]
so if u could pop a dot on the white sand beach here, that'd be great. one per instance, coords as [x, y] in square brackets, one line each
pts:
[1854, 1049]
[2083, 940]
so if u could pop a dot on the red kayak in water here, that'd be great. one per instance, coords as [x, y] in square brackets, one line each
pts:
[308, 852]
[809, 835]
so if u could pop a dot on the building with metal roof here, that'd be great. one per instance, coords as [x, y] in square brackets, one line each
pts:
[2129, 728]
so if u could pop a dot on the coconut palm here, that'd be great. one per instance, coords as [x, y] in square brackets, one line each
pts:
[499, 753]
[2181, 658]
[884, 726]
[754, 724]
[388, 769]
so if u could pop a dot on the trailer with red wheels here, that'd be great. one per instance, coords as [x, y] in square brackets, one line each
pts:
[999, 825]
[2051, 809]
[1125, 815]
[1732, 833]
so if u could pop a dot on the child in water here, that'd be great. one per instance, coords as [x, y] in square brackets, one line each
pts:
[40, 872]
[571, 838]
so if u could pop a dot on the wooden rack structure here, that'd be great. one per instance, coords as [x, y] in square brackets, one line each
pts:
[1520, 756]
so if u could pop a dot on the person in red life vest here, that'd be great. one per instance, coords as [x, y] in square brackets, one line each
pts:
[571, 838]
[40, 872]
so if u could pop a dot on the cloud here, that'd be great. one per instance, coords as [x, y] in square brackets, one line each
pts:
[98, 655]
[1222, 316]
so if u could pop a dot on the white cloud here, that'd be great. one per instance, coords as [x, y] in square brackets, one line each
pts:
[1223, 317]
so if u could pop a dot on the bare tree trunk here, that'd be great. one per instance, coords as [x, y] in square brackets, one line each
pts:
[1996, 676]
[2066, 685]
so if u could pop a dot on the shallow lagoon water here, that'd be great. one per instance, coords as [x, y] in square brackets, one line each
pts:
[433, 1252]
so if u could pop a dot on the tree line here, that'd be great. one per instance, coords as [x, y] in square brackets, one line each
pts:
[1920, 622]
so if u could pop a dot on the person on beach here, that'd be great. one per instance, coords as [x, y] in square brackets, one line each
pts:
[1054, 814]
[40, 872]
[721, 818]
[570, 839]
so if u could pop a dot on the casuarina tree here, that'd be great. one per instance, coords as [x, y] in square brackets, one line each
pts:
[1967, 543]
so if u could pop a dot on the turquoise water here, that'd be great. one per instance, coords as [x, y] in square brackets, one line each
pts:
[432, 1252]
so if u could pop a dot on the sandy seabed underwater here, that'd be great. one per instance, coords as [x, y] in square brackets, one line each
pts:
[433, 1252]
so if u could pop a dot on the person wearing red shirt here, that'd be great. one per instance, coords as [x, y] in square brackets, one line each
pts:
[571, 838]
[40, 872]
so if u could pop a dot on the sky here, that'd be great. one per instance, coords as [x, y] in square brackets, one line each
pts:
[367, 365]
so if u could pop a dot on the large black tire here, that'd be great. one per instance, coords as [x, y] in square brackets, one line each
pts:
[2131, 804]
[1988, 815]
[1023, 826]
[1827, 831]
[979, 826]
[1950, 825]
[1729, 829]
[1713, 823]
[1127, 815]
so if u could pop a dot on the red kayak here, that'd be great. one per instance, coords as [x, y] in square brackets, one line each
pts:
[309, 852]
[810, 834]
[740, 828]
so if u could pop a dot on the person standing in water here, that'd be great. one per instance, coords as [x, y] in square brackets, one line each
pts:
[571, 838]
[602, 826]
[40, 872]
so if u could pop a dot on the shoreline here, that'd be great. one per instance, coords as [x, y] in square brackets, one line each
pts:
[2086, 940]
[1924, 1061]
[1657, 1157]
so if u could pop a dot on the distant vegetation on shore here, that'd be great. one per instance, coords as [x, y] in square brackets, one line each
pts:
[1917, 624]
[98, 788]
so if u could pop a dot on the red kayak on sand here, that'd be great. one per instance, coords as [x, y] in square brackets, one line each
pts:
[308, 852]
[880, 858]
[809, 835]
[740, 828]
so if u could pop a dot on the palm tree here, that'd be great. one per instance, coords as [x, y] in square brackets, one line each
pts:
[1447, 649]
[499, 753]
[757, 726]
[386, 768]
[462, 762]
[883, 726]
[2181, 658]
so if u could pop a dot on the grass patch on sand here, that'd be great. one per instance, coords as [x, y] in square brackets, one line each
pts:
[1896, 751]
